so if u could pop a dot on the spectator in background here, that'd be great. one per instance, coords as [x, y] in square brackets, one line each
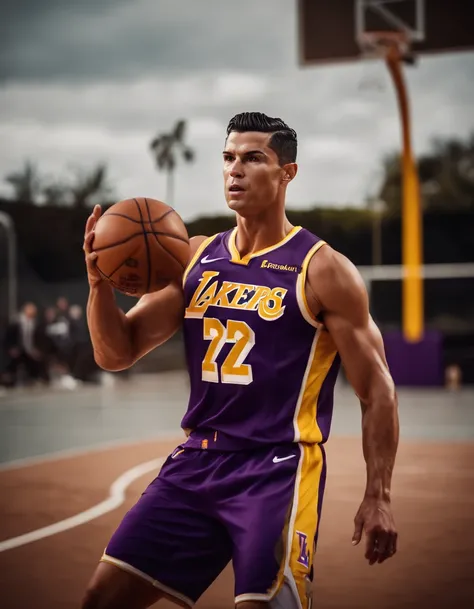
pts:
[57, 328]
[59, 345]
[62, 308]
[63, 317]
[24, 344]
[83, 365]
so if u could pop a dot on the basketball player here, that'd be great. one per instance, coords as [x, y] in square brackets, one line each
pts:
[268, 311]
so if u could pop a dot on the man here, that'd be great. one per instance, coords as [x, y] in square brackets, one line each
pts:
[268, 310]
[25, 343]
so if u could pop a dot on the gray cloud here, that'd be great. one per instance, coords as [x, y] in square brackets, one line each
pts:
[98, 80]
[120, 40]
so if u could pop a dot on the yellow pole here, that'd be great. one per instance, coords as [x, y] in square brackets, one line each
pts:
[412, 239]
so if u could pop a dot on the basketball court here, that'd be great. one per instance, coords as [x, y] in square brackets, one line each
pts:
[57, 512]
[74, 462]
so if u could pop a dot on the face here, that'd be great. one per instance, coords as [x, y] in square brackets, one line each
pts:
[75, 312]
[253, 178]
[30, 310]
[62, 304]
[50, 314]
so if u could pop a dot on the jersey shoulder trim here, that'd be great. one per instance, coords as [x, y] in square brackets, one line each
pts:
[197, 254]
[301, 286]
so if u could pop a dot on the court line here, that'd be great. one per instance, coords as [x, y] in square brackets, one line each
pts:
[115, 499]
[80, 451]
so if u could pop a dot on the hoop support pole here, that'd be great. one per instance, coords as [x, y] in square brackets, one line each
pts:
[412, 229]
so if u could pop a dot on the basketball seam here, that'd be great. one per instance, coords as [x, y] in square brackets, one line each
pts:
[159, 242]
[147, 245]
[142, 232]
[114, 213]
[119, 266]
[183, 266]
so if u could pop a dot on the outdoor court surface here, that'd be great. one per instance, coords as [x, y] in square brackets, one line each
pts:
[116, 437]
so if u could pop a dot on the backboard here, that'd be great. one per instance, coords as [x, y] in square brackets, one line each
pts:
[332, 30]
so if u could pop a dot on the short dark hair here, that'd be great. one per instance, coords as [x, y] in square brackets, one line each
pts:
[284, 140]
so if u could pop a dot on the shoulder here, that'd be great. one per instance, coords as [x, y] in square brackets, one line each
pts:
[333, 281]
[195, 243]
[329, 264]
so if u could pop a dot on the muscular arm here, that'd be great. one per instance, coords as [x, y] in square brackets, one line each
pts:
[336, 291]
[120, 339]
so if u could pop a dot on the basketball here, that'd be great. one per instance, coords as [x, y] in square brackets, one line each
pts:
[142, 245]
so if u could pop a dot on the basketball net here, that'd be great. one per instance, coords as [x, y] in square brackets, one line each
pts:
[378, 45]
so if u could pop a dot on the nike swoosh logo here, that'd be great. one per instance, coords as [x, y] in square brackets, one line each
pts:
[279, 459]
[178, 452]
[207, 260]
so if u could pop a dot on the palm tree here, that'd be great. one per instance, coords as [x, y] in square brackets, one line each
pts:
[55, 192]
[26, 183]
[165, 148]
[90, 187]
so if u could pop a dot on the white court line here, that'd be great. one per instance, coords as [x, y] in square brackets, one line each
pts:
[80, 451]
[115, 499]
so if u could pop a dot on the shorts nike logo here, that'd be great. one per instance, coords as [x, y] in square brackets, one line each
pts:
[178, 452]
[279, 459]
[207, 260]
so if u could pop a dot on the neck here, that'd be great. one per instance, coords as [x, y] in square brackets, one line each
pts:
[256, 233]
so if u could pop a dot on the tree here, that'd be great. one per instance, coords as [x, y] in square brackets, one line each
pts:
[55, 193]
[26, 183]
[165, 148]
[90, 187]
[446, 175]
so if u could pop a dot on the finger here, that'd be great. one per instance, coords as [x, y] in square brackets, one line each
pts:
[395, 541]
[383, 546]
[91, 262]
[389, 551]
[357, 536]
[88, 239]
[392, 549]
[91, 221]
[371, 548]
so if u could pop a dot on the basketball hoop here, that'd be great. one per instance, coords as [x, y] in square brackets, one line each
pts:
[386, 45]
[382, 45]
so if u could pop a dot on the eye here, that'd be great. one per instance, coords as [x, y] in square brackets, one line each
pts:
[254, 159]
[227, 158]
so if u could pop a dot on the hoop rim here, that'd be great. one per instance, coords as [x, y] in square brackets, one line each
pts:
[377, 43]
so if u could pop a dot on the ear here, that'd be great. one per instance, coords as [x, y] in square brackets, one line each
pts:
[289, 171]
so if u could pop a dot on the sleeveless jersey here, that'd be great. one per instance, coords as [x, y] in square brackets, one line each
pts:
[262, 369]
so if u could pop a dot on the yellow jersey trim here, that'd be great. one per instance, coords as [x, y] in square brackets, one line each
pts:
[320, 360]
[198, 252]
[234, 252]
[301, 286]
[303, 519]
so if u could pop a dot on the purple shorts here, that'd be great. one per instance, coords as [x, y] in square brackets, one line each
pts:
[259, 509]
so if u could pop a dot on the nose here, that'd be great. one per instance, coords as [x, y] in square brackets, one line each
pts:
[236, 171]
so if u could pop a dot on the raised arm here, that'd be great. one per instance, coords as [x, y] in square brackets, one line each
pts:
[120, 339]
[336, 292]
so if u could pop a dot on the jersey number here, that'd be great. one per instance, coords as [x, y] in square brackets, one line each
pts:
[233, 370]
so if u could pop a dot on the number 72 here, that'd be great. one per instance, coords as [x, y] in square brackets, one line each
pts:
[233, 369]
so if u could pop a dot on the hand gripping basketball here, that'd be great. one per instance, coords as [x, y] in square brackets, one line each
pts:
[93, 275]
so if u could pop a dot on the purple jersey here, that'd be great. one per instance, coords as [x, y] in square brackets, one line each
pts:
[262, 369]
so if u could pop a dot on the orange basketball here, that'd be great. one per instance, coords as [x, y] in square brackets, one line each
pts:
[142, 245]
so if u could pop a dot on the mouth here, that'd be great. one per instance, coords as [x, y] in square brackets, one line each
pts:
[236, 188]
[236, 191]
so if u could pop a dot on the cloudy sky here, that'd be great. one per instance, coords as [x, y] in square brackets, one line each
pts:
[95, 80]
